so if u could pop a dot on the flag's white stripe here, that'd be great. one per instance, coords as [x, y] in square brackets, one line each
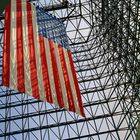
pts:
[50, 72]
[37, 55]
[72, 85]
[61, 76]
[13, 47]
[27, 78]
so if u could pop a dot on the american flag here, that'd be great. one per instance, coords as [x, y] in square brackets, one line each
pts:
[35, 60]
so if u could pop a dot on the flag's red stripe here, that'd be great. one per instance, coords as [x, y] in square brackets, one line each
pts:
[66, 78]
[45, 70]
[33, 70]
[76, 84]
[56, 76]
[6, 49]
[20, 61]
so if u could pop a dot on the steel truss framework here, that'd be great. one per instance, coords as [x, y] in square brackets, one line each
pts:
[104, 37]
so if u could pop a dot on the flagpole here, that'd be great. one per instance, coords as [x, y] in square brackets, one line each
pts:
[3, 5]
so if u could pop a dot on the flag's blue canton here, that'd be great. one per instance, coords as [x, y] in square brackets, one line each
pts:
[51, 27]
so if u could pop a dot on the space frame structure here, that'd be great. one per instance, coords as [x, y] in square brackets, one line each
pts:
[104, 37]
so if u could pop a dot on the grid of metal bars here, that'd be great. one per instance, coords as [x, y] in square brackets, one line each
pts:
[104, 37]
